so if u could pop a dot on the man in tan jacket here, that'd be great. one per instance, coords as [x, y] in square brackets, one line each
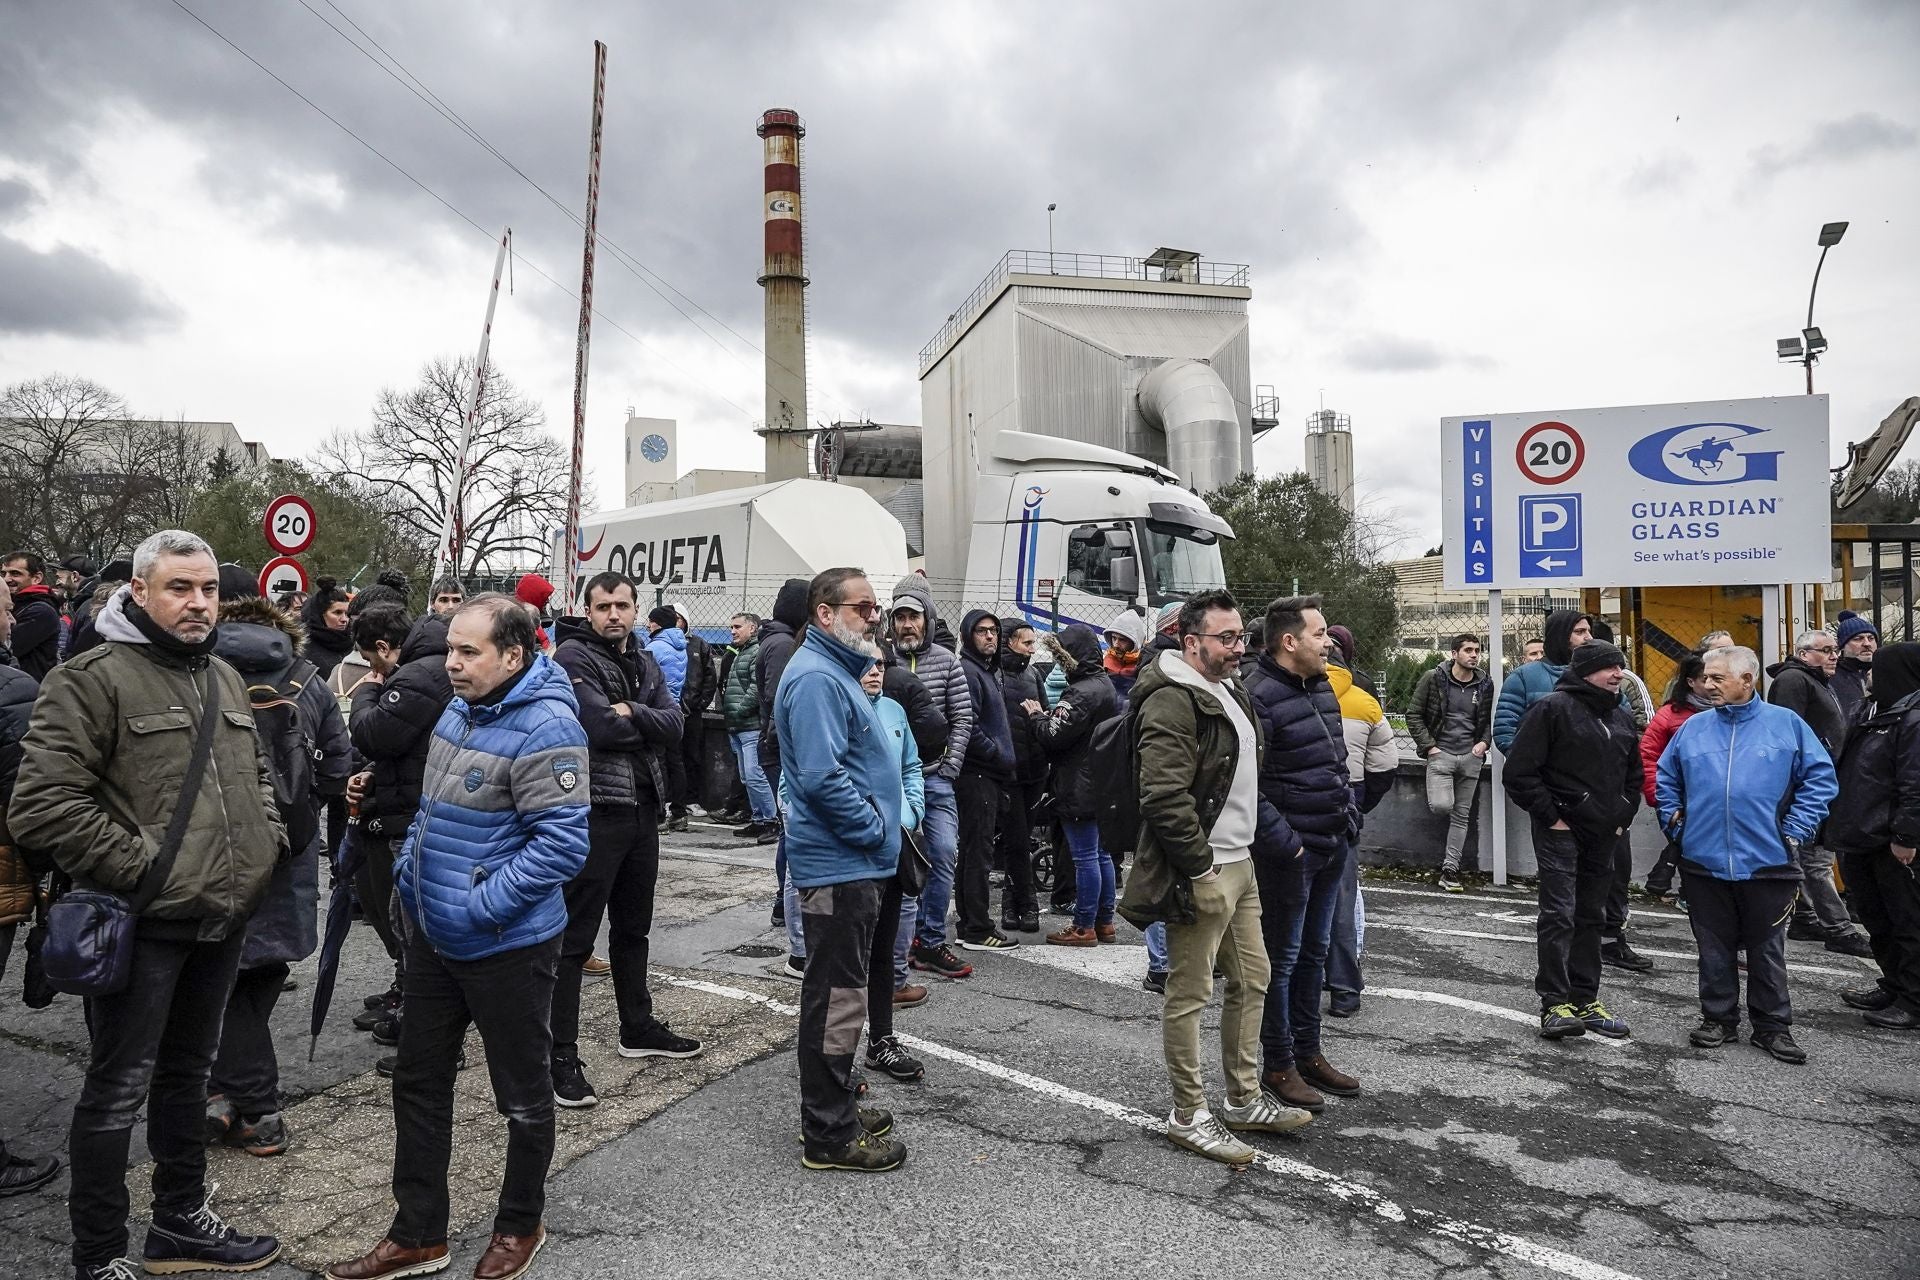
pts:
[105, 761]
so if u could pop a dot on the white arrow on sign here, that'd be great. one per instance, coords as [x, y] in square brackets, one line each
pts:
[1550, 564]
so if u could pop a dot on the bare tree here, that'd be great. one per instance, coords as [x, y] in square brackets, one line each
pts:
[517, 474]
[166, 465]
[60, 488]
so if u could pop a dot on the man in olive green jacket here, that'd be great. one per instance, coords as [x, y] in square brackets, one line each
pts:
[1200, 815]
[105, 759]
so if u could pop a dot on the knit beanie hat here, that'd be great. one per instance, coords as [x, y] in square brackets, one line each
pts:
[1344, 638]
[534, 590]
[1596, 655]
[1169, 614]
[1851, 625]
[664, 618]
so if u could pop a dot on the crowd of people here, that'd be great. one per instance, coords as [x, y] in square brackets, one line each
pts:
[492, 777]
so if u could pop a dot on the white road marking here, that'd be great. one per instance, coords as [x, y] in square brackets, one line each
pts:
[1792, 966]
[1353, 1193]
[1523, 899]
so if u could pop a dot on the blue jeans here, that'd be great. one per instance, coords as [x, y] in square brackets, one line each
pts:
[941, 828]
[1343, 952]
[1092, 873]
[903, 938]
[1157, 947]
[746, 756]
[1297, 896]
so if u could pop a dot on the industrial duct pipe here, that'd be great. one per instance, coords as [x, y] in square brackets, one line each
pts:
[1188, 401]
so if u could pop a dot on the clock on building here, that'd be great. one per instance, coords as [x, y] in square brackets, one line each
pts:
[654, 448]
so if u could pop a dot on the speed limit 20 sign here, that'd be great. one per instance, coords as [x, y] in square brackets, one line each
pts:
[288, 524]
[1550, 452]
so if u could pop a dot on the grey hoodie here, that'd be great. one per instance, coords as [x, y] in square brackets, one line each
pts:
[939, 671]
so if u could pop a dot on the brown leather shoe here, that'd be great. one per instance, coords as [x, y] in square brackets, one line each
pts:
[1106, 933]
[1327, 1078]
[908, 996]
[389, 1261]
[595, 967]
[508, 1257]
[1292, 1090]
[1074, 936]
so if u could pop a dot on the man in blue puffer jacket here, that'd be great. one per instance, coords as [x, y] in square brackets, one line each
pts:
[501, 828]
[1565, 631]
[668, 647]
[1740, 830]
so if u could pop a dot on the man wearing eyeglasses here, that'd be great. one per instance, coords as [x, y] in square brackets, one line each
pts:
[1803, 684]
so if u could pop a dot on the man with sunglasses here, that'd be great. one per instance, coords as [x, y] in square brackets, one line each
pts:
[1803, 685]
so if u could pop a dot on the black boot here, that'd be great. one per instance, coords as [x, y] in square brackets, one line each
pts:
[21, 1174]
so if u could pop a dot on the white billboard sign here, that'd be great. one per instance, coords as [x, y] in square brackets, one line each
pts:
[1662, 495]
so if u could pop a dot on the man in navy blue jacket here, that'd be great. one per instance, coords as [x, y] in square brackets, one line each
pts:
[841, 772]
[985, 778]
[501, 829]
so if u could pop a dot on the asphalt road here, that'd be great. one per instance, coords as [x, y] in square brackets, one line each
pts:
[1476, 1148]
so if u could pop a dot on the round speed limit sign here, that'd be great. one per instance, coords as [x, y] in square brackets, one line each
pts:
[1550, 452]
[288, 524]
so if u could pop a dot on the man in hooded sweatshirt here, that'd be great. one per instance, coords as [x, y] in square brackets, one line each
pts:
[1019, 687]
[1742, 787]
[1802, 684]
[915, 623]
[696, 695]
[981, 789]
[1575, 767]
[667, 646]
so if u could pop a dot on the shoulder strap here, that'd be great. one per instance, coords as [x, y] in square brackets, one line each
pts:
[156, 875]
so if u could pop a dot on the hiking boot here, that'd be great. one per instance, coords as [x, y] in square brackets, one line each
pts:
[886, 1056]
[908, 996]
[994, 941]
[770, 836]
[1450, 882]
[509, 1257]
[1616, 952]
[1711, 1035]
[751, 831]
[1805, 929]
[368, 1019]
[1074, 936]
[780, 911]
[388, 1000]
[21, 1174]
[1602, 1023]
[1875, 997]
[1155, 981]
[595, 967]
[1263, 1113]
[679, 823]
[1205, 1135]
[1327, 1078]
[571, 1087]
[1028, 921]
[1780, 1044]
[1561, 1021]
[1343, 1004]
[795, 968]
[220, 1117]
[865, 1154]
[1893, 1018]
[940, 960]
[1292, 1090]
[1060, 906]
[1107, 932]
[389, 1261]
[1848, 942]
[201, 1241]
[656, 1040]
[387, 1031]
[266, 1136]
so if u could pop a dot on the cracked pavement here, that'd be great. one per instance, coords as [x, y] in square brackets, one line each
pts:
[1646, 1158]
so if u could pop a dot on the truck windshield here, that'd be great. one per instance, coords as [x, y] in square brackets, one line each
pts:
[1178, 566]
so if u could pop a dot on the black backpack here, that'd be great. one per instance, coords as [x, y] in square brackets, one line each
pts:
[1114, 765]
[289, 744]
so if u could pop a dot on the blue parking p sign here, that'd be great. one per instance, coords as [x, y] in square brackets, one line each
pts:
[1550, 536]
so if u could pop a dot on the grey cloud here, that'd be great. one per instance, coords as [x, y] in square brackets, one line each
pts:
[1836, 141]
[16, 194]
[1397, 353]
[1657, 174]
[69, 292]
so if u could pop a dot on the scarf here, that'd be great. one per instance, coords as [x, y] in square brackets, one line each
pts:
[1117, 666]
[165, 641]
[1699, 703]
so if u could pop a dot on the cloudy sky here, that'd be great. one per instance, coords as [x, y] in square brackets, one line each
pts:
[1448, 208]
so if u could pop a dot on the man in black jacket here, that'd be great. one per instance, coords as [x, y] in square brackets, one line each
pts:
[1875, 826]
[391, 723]
[985, 774]
[36, 614]
[1858, 638]
[1575, 767]
[696, 695]
[1451, 720]
[929, 728]
[1303, 779]
[1803, 685]
[1020, 686]
[631, 720]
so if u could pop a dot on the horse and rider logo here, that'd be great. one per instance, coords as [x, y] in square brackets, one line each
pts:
[1704, 453]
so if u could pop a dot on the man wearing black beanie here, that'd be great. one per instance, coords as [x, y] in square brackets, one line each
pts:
[1575, 767]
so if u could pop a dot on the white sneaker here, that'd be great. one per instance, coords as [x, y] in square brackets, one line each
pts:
[1265, 1113]
[1206, 1136]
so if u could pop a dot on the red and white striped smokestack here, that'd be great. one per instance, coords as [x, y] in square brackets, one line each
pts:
[784, 278]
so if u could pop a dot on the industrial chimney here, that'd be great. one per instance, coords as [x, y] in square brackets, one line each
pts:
[784, 278]
[1330, 455]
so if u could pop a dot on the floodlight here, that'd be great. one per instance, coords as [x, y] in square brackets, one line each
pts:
[1788, 348]
[1830, 234]
[1815, 343]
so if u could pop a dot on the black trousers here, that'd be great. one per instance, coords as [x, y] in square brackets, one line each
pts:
[1731, 916]
[245, 1069]
[508, 997]
[623, 867]
[1617, 891]
[886, 932]
[373, 886]
[692, 772]
[1015, 839]
[978, 798]
[153, 1044]
[1888, 900]
[840, 920]
[1576, 876]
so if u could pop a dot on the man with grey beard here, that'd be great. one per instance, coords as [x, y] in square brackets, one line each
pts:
[841, 774]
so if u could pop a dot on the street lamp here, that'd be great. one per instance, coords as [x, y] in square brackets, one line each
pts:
[1807, 347]
[1050, 209]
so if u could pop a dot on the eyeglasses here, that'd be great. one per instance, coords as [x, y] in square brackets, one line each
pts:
[1231, 639]
[1822, 648]
[868, 609]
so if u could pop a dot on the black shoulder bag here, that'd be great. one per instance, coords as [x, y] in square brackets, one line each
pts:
[89, 947]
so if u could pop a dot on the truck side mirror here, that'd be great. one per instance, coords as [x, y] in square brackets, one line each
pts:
[1124, 573]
